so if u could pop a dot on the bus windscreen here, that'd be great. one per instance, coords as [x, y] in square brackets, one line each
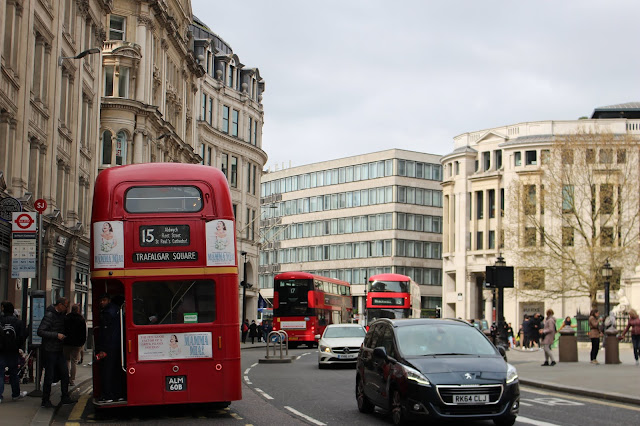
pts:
[293, 297]
[390, 286]
[158, 199]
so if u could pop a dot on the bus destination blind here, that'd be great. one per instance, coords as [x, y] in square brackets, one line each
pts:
[165, 256]
[164, 235]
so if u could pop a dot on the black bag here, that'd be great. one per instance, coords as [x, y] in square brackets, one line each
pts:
[8, 339]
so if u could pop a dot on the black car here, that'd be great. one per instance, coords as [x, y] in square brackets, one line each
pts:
[437, 368]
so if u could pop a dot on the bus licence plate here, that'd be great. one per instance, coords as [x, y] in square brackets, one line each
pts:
[176, 383]
[470, 399]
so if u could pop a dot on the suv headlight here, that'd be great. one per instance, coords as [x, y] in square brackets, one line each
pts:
[325, 348]
[512, 374]
[416, 376]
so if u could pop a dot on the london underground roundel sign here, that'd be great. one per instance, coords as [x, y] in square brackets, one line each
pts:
[24, 222]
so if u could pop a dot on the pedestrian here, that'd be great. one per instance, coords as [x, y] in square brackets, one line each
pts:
[12, 341]
[548, 334]
[634, 324]
[536, 326]
[245, 330]
[253, 331]
[594, 334]
[526, 331]
[510, 335]
[108, 351]
[51, 330]
[260, 332]
[267, 328]
[566, 324]
[75, 328]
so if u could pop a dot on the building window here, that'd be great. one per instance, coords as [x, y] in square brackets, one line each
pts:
[606, 236]
[606, 156]
[224, 164]
[531, 158]
[117, 27]
[517, 158]
[233, 179]
[567, 236]
[203, 115]
[606, 199]
[529, 199]
[545, 155]
[106, 147]
[225, 119]
[121, 148]
[567, 156]
[457, 167]
[123, 82]
[210, 114]
[492, 203]
[234, 122]
[567, 198]
[486, 161]
[590, 156]
[479, 240]
[621, 156]
[479, 205]
[492, 240]
[531, 279]
[529, 237]
[498, 160]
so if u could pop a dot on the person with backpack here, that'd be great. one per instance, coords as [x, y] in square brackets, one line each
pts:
[245, 330]
[11, 342]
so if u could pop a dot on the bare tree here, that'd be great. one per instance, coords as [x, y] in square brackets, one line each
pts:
[579, 208]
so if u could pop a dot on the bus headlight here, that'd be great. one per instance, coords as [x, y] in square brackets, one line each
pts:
[325, 349]
[512, 374]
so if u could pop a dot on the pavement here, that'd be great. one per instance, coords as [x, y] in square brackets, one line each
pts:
[613, 382]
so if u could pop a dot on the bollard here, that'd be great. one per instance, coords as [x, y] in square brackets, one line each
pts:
[611, 349]
[568, 346]
[280, 338]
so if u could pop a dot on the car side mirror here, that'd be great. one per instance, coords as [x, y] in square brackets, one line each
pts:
[380, 352]
[317, 337]
[502, 352]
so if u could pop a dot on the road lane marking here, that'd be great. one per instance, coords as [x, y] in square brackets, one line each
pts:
[552, 401]
[304, 416]
[526, 404]
[246, 372]
[583, 399]
[78, 409]
[263, 393]
[254, 364]
[247, 381]
[527, 420]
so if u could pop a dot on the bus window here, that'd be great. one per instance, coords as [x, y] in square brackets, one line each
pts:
[173, 302]
[155, 199]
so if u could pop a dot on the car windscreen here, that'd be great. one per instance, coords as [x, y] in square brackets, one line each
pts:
[335, 332]
[442, 339]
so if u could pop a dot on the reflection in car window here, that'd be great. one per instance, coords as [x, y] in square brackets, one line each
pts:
[437, 339]
[387, 342]
[334, 332]
[376, 337]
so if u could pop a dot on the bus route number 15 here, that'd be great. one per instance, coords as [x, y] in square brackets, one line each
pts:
[147, 236]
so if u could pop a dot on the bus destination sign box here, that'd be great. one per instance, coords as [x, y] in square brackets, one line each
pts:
[165, 256]
[164, 235]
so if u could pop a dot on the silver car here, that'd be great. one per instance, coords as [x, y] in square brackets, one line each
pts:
[339, 344]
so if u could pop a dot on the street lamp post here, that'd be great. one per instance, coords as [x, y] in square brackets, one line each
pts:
[244, 285]
[501, 337]
[607, 272]
[79, 55]
[364, 309]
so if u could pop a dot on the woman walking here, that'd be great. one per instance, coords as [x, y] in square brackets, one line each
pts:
[594, 334]
[548, 334]
[634, 324]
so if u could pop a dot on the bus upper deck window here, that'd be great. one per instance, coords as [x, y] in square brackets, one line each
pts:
[163, 199]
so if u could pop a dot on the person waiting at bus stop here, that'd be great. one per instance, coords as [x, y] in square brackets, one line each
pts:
[51, 330]
[108, 351]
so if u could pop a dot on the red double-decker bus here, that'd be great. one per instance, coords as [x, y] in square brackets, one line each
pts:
[304, 304]
[164, 252]
[392, 296]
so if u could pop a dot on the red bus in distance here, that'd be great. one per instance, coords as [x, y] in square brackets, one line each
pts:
[392, 296]
[163, 249]
[304, 304]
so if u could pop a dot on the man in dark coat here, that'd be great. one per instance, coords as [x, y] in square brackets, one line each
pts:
[75, 328]
[51, 330]
[10, 354]
[253, 331]
[109, 351]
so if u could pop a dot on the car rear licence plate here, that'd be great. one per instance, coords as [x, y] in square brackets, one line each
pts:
[176, 383]
[346, 356]
[470, 399]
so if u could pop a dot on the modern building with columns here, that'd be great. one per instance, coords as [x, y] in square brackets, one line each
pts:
[483, 219]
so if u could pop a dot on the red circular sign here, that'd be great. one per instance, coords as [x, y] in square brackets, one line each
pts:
[24, 221]
[40, 205]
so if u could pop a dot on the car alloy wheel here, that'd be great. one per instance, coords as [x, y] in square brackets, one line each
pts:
[364, 405]
[397, 410]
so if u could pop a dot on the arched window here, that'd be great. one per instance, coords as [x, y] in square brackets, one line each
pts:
[121, 148]
[106, 147]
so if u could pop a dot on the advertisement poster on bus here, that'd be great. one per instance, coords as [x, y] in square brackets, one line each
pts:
[220, 249]
[153, 347]
[108, 244]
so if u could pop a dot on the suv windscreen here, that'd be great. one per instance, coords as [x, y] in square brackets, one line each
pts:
[442, 339]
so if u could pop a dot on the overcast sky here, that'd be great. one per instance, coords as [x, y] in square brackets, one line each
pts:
[347, 77]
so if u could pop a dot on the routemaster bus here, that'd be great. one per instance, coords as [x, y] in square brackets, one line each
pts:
[164, 251]
[304, 304]
[392, 296]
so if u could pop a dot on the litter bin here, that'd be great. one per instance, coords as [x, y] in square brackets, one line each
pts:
[611, 349]
[568, 346]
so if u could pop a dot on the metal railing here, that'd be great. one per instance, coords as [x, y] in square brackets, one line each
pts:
[280, 338]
